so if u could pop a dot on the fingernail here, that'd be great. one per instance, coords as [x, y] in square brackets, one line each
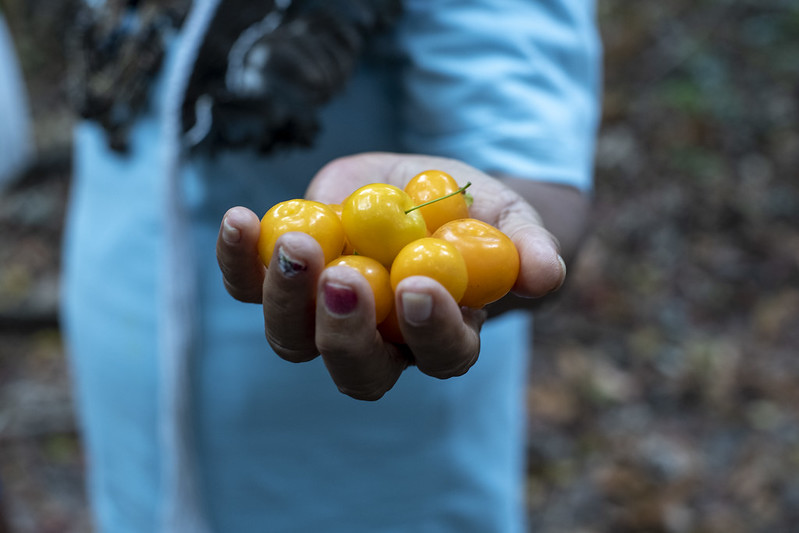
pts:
[230, 234]
[288, 265]
[562, 274]
[339, 299]
[417, 307]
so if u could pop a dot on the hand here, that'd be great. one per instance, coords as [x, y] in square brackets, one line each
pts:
[310, 311]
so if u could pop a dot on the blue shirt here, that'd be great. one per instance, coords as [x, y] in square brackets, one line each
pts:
[508, 87]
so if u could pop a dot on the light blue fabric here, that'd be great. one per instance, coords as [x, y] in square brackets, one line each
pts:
[509, 87]
[278, 447]
[16, 133]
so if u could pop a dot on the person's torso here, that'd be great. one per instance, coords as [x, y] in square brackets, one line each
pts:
[279, 448]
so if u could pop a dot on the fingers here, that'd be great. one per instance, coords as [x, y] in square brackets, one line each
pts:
[444, 338]
[361, 365]
[542, 269]
[237, 254]
[310, 310]
[289, 295]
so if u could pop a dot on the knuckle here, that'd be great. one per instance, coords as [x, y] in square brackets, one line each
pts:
[339, 351]
[446, 369]
[242, 295]
[444, 373]
[346, 344]
[365, 395]
[292, 354]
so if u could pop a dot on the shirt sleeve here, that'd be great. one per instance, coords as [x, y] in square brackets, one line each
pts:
[510, 87]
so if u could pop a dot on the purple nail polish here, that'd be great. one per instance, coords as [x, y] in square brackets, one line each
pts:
[288, 265]
[339, 299]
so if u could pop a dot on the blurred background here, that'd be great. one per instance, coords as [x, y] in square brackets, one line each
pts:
[665, 382]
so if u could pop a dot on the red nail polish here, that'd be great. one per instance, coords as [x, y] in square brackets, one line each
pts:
[339, 299]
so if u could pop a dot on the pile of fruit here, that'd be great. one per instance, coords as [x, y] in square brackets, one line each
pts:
[388, 234]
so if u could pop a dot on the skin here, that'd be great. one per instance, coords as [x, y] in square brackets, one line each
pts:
[310, 311]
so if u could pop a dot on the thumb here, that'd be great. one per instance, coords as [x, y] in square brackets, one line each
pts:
[542, 269]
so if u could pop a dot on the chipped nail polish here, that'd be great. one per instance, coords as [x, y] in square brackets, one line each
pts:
[288, 265]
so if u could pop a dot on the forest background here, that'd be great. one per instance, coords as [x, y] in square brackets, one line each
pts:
[665, 381]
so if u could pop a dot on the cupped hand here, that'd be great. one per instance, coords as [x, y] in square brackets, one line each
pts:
[310, 310]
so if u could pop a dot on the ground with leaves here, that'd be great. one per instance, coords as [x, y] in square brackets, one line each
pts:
[665, 378]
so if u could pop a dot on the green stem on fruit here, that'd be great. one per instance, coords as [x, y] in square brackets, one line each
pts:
[459, 191]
